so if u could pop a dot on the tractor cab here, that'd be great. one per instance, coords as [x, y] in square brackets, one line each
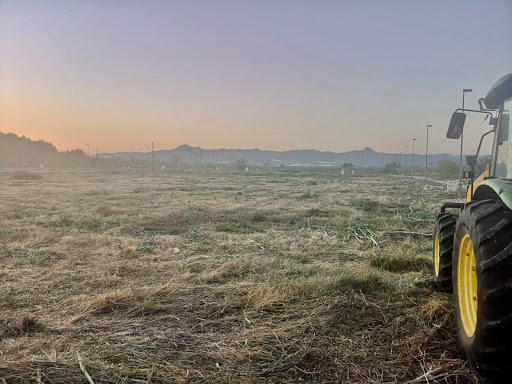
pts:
[496, 107]
[502, 159]
[473, 247]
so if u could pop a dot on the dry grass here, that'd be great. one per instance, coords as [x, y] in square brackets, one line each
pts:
[221, 277]
[25, 175]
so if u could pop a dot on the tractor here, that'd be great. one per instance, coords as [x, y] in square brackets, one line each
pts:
[473, 242]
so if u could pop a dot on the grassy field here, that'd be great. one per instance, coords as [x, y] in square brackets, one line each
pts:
[221, 277]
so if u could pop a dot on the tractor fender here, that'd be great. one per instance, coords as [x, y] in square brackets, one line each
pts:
[495, 189]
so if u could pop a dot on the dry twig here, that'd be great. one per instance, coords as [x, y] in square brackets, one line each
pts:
[82, 367]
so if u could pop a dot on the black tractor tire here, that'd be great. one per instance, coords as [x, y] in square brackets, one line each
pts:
[443, 234]
[488, 223]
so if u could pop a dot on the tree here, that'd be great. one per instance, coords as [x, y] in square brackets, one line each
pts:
[241, 164]
[391, 168]
[77, 153]
[447, 169]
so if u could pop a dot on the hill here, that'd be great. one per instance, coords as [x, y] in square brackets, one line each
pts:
[305, 157]
[17, 151]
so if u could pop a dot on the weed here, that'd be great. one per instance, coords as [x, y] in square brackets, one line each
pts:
[364, 282]
[8, 296]
[258, 217]
[402, 264]
[317, 212]
[27, 324]
[366, 205]
[90, 224]
[306, 195]
[148, 245]
[303, 258]
[105, 210]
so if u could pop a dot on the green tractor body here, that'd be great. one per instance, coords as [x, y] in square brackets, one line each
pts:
[496, 189]
[473, 247]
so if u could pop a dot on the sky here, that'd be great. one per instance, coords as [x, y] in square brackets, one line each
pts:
[280, 74]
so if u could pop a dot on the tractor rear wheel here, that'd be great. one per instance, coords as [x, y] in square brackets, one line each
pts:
[443, 249]
[482, 285]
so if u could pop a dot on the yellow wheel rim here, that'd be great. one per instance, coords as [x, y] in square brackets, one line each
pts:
[467, 286]
[436, 254]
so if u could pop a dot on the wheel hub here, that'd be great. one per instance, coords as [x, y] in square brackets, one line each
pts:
[467, 286]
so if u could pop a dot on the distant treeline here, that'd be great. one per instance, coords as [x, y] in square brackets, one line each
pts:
[18, 151]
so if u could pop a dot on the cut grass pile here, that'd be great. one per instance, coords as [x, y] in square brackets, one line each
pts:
[221, 277]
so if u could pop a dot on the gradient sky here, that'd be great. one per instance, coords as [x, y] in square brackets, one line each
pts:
[328, 75]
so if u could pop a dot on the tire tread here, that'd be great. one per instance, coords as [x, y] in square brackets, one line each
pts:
[445, 226]
[489, 223]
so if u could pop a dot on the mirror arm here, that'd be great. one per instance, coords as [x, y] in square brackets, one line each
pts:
[482, 108]
[474, 110]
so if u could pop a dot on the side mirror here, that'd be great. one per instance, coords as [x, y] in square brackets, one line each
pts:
[470, 160]
[456, 125]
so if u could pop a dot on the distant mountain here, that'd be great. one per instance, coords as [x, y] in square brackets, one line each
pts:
[305, 157]
[21, 151]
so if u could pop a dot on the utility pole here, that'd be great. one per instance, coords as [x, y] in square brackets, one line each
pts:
[426, 154]
[462, 135]
[153, 154]
[362, 158]
[412, 159]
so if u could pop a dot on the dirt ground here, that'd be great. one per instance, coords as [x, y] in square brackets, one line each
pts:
[218, 276]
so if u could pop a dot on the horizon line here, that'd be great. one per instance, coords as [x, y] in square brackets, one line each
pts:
[233, 149]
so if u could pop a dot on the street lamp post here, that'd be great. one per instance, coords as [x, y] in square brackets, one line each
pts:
[462, 135]
[412, 157]
[426, 154]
